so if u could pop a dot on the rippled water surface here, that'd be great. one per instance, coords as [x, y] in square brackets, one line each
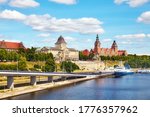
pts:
[136, 86]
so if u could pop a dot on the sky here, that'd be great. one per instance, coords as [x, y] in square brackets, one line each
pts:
[39, 23]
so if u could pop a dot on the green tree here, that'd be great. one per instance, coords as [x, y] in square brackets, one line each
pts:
[3, 54]
[91, 55]
[83, 57]
[68, 66]
[12, 56]
[22, 64]
[30, 54]
[22, 52]
[50, 65]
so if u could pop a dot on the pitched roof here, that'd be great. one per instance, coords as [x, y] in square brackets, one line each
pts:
[60, 40]
[121, 52]
[86, 52]
[114, 44]
[11, 45]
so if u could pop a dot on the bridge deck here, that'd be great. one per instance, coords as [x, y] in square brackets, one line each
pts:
[33, 80]
[3, 73]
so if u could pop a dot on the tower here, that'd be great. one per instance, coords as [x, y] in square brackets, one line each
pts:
[114, 47]
[61, 44]
[97, 45]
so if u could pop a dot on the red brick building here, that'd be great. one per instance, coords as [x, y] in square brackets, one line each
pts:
[11, 46]
[98, 50]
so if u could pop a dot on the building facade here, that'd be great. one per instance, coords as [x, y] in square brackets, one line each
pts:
[98, 50]
[11, 46]
[61, 52]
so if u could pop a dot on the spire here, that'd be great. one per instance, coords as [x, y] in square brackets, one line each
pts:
[97, 42]
[114, 45]
[97, 37]
[97, 45]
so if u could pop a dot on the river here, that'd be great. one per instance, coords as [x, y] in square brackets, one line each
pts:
[129, 87]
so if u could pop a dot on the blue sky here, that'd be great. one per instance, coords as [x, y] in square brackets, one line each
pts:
[39, 23]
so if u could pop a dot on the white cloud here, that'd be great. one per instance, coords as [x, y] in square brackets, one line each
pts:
[89, 40]
[67, 2]
[148, 35]
[132, 3]
[107, 40]
[69, 39]
[12, 15]
[3, 1]
[2, 37]
[131, 36]
[47, 23]
[52, 24]
[10, 40]
[126, 42]
[44, 35]
[6, 38]
[119, 1]
[23, 3]
[144, 17]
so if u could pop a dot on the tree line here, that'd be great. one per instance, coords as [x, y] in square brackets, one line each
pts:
[133, 60]
[23, 55]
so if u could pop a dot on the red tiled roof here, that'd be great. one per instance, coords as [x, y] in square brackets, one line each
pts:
[105, 50]
[11, 45]
[121, 52]
[86, 52]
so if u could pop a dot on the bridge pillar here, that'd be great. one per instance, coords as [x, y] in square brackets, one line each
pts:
[50, 78]
[64, 78]
[10, 82]
[33, 80]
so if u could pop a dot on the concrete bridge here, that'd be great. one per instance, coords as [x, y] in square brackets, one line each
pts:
[33, 81]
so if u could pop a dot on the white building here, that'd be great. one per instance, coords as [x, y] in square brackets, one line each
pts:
[61, 52]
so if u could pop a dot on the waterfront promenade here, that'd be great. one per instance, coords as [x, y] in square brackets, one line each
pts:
[51, 84]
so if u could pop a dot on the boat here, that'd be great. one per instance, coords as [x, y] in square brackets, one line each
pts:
[121, 71]
[144, 71]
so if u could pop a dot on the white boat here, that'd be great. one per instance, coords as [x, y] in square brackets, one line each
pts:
[143, 71]
[121, 71]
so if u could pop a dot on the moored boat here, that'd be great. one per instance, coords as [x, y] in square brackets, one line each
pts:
[121, 71]
[143, 71]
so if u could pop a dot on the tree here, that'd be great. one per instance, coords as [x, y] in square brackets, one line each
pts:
[68, 66]
[3, 54]
[22, 52]
[30, 54]
[50, 65]
[91, 56]
[49, 55]
[83, 57]
[12, 56]
[22, 65]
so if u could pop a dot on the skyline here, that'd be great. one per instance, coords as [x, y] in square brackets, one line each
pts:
[37, 23]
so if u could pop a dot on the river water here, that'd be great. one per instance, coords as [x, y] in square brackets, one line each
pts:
[129, 87]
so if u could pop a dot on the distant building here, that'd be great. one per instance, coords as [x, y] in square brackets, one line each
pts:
[60, 51]
[98, 50]
[11, 46]
[86, 52]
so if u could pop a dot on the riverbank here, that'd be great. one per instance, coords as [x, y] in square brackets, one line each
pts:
[39, 87]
